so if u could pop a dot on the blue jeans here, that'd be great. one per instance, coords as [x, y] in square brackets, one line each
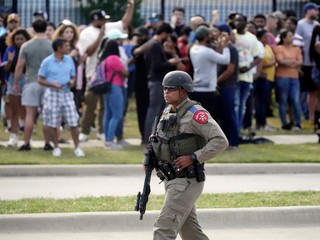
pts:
[242, 96]
[113, 111]
[119, 132]
[261, 94]
[289, 89]
[228, 115]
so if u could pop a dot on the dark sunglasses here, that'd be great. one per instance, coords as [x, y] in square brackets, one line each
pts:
[171, 89]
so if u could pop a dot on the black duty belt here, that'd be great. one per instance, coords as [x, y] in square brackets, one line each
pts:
[171, 171]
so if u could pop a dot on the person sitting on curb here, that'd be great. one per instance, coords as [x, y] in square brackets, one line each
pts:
[57, 73]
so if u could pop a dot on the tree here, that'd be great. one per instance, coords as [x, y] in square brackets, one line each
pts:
[115, 9]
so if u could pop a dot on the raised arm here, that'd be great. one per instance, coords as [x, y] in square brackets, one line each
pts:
[127, 17]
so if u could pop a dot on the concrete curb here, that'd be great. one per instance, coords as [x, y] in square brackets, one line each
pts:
[129, 221]
[131, 169]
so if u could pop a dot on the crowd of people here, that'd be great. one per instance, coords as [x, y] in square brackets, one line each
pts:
[237, 66]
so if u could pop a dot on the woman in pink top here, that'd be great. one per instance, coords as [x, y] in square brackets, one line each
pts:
[289, 59]
[113, 100]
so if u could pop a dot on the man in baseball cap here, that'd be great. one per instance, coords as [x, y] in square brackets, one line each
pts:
[40, 15]
[155, 21]
[90, 41]
[156, 17]
[13, 17]
[98, 14]
[201, 32]
[223, 27]
[304, 29]
[310, 6]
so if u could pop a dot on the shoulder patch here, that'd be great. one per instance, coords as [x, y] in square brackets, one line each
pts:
[200, 116]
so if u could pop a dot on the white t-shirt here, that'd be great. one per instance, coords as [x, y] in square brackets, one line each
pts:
[88, 37]
[248, 49]
[261, 56]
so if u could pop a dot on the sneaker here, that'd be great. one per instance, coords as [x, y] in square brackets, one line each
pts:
[25, 147]
[56, 152]
[297, 128]
[13, 140]
[78, 152]
[267, 128]
[83, 137]
[286, 127]
[101, 136]
[112, 146]
[123, 143]
[47, 147]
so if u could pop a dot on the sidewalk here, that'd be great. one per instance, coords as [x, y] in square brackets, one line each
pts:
[277, 139]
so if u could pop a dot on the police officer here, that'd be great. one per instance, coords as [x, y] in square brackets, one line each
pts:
[186, 136]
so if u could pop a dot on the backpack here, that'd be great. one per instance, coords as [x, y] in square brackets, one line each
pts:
[99, 83]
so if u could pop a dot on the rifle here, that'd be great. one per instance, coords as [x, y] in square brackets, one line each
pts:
[142, 199]
[150, 161]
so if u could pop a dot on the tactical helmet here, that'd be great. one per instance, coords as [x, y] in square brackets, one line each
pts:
[178, 79]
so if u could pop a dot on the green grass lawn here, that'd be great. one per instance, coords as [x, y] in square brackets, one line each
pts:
[134, 155]
[100, 204]
[247, 153]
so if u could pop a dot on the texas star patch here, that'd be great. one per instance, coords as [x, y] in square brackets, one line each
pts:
[200, 116]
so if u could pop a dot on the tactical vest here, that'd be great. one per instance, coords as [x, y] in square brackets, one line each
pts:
[170, 142]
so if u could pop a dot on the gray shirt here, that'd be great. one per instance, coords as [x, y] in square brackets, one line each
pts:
[205, 61]
[305, 29]
[33, 52]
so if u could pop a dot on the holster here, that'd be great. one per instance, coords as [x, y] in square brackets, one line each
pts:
[170, 171]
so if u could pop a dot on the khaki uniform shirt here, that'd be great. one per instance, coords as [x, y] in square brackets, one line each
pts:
[198, 121]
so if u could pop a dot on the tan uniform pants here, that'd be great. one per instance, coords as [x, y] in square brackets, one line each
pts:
[178, 214]
[91, 100]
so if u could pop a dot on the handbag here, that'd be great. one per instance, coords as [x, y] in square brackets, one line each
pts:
[99, 84]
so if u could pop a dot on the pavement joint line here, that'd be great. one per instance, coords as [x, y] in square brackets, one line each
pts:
[129, 221]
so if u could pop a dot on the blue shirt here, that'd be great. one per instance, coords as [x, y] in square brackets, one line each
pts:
[54, 71]
[192, 37]
[15, 59]
[2, 31]
[128, 49]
